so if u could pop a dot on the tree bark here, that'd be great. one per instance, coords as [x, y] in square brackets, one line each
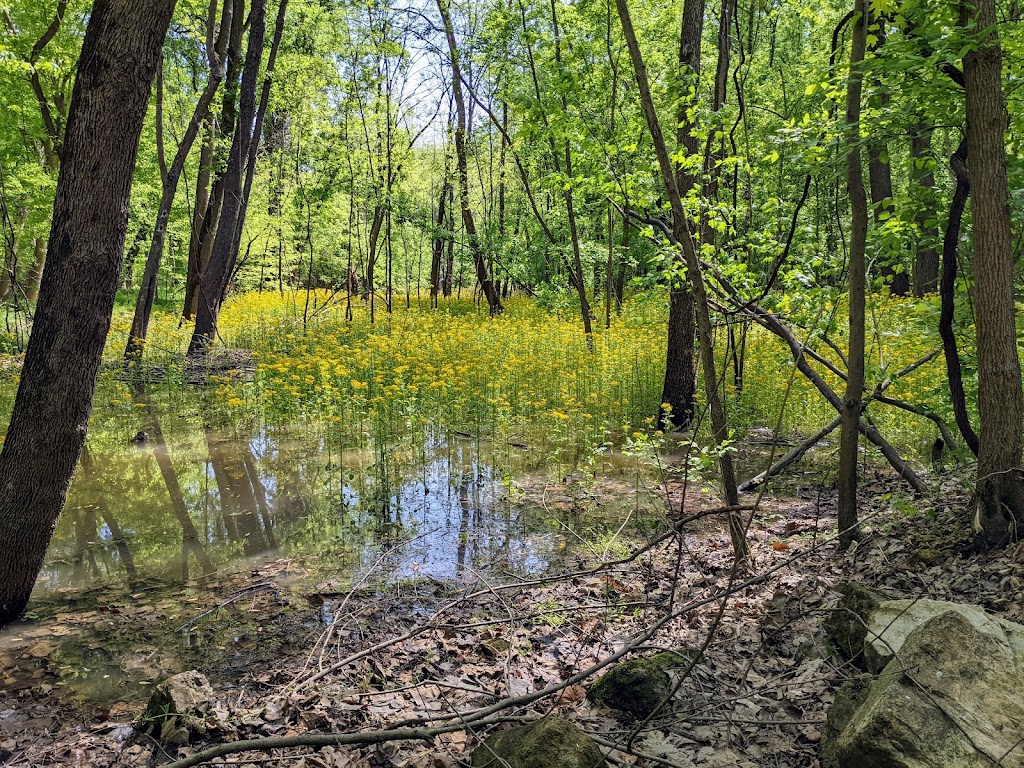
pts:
[999, 494]
[853, 400]
[90, 214]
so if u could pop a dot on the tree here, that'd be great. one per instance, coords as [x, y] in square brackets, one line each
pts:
[169, 176]
[218, 271]
[853, 402]
[48, 426]
[679, 387]
[719, 426]
[999, 493]
[483, 275]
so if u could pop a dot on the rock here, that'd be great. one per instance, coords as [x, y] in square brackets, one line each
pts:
[847, 624]
[180, 707]
[551, 742]
[638, 686]
[892, 621]
[950, 698]
[850, 696]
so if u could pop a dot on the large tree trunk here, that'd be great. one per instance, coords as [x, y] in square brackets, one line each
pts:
[215, 276]
[854, 399]
[90, 215]
[999, 496]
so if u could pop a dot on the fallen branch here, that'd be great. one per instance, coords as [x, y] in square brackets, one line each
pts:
[793, 456]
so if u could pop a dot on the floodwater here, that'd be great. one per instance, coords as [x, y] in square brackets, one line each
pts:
[173, 507]
[166, 533]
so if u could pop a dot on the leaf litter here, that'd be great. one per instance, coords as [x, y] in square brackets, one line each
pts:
[297, 655]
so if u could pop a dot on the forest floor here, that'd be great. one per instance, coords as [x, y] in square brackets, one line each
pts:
[289, 656]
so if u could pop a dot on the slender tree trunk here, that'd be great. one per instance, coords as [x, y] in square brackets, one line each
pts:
[947, 290]
[719, 426]
[922, 180]
[880, 177]
[853, 401]
[90, 215]
[440, 237]
[215, 276]
[202, 205]
[680, 386]
[170, 176]
[482, 275]
[999, 496]
[207, 230]
[35, 271]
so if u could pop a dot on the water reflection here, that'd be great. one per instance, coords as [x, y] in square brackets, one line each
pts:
[183, 501]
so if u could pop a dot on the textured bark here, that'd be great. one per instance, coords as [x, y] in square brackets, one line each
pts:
[214, 279]
[999, 495]
[90, 215]
[853, 400]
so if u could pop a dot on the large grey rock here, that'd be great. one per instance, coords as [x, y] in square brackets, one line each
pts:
[548, 743]
[950, 698]
[182, 706]
[892, 621]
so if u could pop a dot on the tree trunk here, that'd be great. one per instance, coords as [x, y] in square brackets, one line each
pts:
[35, 272]
[202, 208]
[203, 235]
[922, 180]
[440, 237]
[680, 386]
[169, 177]
[483, 277]
[853, 401]
[947, 291]
[999, 495]
[90, 215]
[719, 426]
[215, 276]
